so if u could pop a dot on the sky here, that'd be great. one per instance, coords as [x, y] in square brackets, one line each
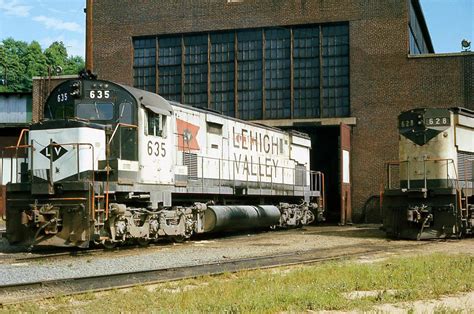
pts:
[46, 21]
[449, 22]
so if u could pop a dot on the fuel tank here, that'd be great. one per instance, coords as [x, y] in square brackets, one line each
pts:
[241, 217]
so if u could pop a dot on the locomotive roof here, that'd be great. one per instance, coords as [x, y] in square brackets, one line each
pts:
[463, 111]
[152, 101]
[160, 105]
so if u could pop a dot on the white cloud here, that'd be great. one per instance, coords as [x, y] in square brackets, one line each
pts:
[50, 22]
[14, 7]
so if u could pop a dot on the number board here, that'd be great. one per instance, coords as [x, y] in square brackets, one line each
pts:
[407, 123]
[98, 94]
[438, 121]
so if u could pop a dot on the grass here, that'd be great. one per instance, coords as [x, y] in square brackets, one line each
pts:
[295, 289]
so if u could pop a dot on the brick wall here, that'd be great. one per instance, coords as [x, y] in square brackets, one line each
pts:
[384, 79]
[42, 86]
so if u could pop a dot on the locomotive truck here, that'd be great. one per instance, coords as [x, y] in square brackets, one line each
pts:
[110, 163]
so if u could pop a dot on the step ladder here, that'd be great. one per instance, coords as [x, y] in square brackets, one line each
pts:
[99, 210]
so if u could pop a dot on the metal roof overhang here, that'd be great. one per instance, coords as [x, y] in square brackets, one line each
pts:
[151, 101]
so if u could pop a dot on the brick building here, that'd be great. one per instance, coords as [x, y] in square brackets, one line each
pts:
[310, 65]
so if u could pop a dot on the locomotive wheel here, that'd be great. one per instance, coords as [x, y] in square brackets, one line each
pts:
[143, 242]
[178, 239]
[109, 245]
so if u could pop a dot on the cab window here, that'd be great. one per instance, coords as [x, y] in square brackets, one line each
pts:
[126, 113]
[156, 124]
[95, 111]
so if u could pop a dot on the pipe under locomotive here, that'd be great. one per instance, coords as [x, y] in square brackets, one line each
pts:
[110, 163]
[429, 191]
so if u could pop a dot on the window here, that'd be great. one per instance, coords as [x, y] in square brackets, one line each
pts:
[277, 74]
[214, 128]
[335, 71]
[156, 124]
[286, 72]
[306, 72]
[169, 65]
[222, 72]
[144, 64]
[249, 56]
[95, 111]
[195, 70]
[126, 113]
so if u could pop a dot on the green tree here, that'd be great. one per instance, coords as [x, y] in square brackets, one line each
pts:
[74, 65]
[56, 54]
[23, 61]
[13, 68]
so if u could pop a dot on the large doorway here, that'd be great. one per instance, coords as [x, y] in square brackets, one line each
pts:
[328, 156]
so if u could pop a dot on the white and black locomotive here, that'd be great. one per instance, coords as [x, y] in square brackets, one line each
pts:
[430, 189]
[110, 163]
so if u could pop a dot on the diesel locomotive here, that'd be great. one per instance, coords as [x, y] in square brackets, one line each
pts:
[110, 163]
[429, 192]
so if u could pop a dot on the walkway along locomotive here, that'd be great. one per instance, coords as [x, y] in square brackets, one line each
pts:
[110, 163]
[433, 195]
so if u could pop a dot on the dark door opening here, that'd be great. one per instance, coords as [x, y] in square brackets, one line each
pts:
[325, 157]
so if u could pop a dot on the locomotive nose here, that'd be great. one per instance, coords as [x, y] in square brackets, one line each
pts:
[65, 149]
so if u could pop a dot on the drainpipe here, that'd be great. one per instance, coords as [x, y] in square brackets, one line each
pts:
[89, 42]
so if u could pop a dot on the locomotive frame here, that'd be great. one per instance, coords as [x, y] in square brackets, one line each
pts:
[110, 163]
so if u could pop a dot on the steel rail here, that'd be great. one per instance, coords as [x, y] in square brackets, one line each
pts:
[19, 254]
[15, 293]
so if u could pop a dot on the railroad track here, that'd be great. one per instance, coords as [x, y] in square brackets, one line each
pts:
[20, 255]
[16, 293]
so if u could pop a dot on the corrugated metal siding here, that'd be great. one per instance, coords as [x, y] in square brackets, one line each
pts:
[15, 108]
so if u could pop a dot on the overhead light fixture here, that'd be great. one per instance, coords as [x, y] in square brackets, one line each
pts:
[466, 45]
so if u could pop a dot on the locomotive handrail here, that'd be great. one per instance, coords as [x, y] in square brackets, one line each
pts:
[77, 145]
[448, 161]
[299, 180]
[13, 156]
[23, 131]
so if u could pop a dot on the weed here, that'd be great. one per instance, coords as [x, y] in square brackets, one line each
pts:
[293, 289]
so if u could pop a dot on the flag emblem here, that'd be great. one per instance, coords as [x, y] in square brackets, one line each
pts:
[187, 135]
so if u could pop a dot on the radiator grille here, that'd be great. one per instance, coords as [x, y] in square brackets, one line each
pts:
[300, 175]
[465, 162]
[190, 160]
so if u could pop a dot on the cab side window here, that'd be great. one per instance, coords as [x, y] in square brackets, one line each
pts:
[126, 113]
[156, 124]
